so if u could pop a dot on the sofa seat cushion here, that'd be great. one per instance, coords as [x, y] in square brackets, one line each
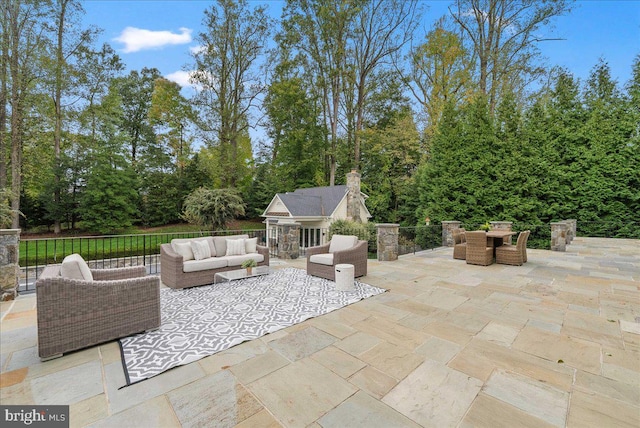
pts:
[204, 264]
[74, 267]
[322, 259]
[237, 260]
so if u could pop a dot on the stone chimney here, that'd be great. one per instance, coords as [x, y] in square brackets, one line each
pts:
[353, 196]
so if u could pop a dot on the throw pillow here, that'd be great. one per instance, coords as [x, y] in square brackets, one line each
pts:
[184, 249]
[250, 245]
[235, 247]
[200, 250]
[74, 267]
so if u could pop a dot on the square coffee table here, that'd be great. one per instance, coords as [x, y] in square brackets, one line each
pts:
[231, 275]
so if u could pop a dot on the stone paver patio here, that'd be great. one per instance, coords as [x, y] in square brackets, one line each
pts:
[553, 343]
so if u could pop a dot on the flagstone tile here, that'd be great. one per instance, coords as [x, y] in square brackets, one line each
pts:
[595, 410]
[362, 410]
[232, 356]
[258, 366]
[156, 412]
[438, 349]
[471, 322]
[579, 299]
[346, 315]
[498, 333]
[67, 361]
[373, 381]
[434, 395]
[416, 308]
[358, 343]
[442, 298]
[89, 411]
[23, 358]
[542, 325]
[262, 419]
[480, 358]
[487, 411]
[381, 310]
[576, 353]
[110, 352]
[392, 332]
[216, 400]
[592, 328]
[123, 397]
[16, 393]
[630, 327]
[301, 392]
[449, 332]
[395, 361]
[534, 311]
[303, 343]
[601, 385]
[531, 396]
[13, 377]
[333, 327]
[338, 361]
[19, 338]
[68, 386]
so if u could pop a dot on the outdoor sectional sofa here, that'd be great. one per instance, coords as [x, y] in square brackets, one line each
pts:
[181, 267]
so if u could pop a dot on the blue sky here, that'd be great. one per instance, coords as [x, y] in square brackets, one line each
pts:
[159, 33]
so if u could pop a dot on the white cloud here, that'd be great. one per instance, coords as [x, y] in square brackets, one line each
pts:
[197, 49]
[137, 39]
[180, 77]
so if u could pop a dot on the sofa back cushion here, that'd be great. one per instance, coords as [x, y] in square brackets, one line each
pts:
[220, 242]
[74, 267]
[342, 242]
[187, 241]
[184, 249]
[236, 247]
[251, 245]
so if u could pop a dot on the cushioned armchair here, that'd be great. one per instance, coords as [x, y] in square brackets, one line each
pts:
[321, 260]
[80, 307]
[459, 244]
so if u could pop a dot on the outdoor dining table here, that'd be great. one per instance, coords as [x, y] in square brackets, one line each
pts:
[495, 238]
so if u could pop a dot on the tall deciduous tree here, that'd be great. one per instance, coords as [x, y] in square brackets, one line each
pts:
[504, 35]
[23, 43]
[227, 78]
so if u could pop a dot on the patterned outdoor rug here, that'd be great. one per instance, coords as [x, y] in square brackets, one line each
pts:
[200, 321]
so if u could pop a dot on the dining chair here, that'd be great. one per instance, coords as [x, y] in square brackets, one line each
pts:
[524, 246]
[459, 244]
[478, 253]
[512, 254]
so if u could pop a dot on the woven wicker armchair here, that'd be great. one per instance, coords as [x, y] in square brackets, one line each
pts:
[524, 246]
[356, 256]
[478, 253]
[77, 313]
[459, 244]
[512, 254]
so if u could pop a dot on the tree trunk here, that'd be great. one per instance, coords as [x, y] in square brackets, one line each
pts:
[57, 136]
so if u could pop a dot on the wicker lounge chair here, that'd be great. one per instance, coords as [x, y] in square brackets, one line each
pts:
[459, 244]
[321, 260]
[77, 313]
[512, 254]
[478, 253]
[524, 246]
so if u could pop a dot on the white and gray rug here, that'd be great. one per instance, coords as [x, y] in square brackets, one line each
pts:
[200, 321]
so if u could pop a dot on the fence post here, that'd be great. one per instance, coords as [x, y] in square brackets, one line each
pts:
[387, 241]
[9, 263]
[559, 236]
[447, 232]
[571, 231]
[288, 240]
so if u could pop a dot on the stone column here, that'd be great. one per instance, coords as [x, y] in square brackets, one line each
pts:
[288, 240]
[572, 229]
[388, 241]
[447, 232]
[502, 225]
[9, 267]
[559, 236]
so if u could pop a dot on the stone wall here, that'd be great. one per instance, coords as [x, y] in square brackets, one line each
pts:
[9, 267]
[388, 242]
[288, 240]
[559, 236]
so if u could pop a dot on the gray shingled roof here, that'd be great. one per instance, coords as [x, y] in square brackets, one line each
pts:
[314, 201]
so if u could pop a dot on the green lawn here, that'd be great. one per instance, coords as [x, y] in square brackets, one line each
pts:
[40, 250]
